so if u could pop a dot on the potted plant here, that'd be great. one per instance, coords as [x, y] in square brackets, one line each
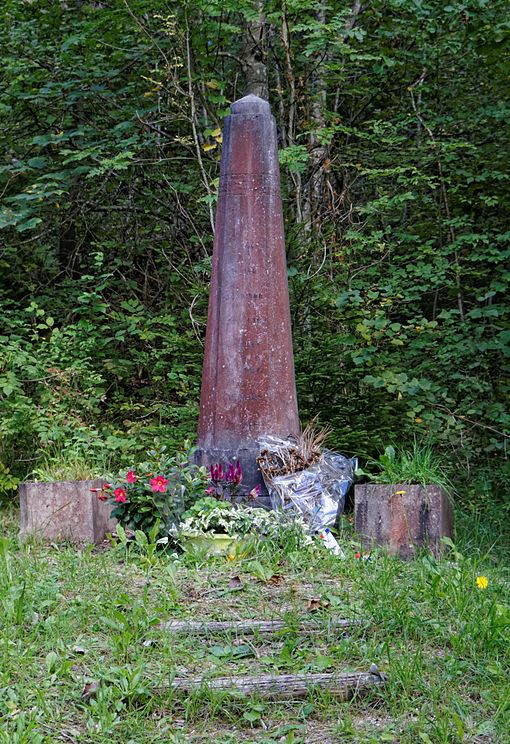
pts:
[220, 527]
[59, 504]
[407, 504]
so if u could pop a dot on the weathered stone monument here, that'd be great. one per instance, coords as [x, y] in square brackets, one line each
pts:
[248, 385]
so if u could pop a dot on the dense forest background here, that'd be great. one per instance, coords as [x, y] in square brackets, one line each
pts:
[392, 147]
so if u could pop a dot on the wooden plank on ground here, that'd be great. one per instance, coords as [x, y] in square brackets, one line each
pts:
[248, 627]
[285, 686]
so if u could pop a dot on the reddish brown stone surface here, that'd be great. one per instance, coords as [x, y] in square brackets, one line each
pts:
[248, 385]
[64, 510]
[402, 517]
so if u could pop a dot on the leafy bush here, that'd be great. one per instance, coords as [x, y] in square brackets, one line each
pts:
[209, 516]
[157, 490]
[8, 481]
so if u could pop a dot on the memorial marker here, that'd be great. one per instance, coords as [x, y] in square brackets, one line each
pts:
[248, 385]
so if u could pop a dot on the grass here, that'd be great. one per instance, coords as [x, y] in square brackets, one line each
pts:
[69, 465]
[72, 617]
[417, 465]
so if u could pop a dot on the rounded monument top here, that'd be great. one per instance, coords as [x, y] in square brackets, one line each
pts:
[250, 104]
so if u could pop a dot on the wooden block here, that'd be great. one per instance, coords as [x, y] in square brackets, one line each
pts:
[286, 686]
[403, 517]
[64, 510]
[251, 627]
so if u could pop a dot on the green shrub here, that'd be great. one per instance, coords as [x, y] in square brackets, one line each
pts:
[157, 490]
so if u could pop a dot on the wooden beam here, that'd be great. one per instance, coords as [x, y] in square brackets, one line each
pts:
[285, 686]
[250, 627]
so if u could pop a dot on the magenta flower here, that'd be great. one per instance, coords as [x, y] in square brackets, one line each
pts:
[131, 477]
[230, 474]
[216, 471]
[234, 473]
[238, 473]
[159, 484]
[255, 492]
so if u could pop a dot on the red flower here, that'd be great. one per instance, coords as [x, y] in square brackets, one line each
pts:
[120, 496]
[159, 484]
[358, 555]
[130, 477]
[106, 486]
[102, 496]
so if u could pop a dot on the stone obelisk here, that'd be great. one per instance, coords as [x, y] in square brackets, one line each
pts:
[248, 385]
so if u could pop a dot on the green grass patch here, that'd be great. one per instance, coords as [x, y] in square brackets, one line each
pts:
[83, 659]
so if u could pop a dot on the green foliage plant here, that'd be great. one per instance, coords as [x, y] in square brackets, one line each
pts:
[418, 465]
[74, 466]
[158, 490]
[395, 186]
[8, 481]
[209, 516]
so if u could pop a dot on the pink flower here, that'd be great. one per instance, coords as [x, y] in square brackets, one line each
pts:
[210, 490]
[216, 473]
[234, 473]
[106, 487]
[120, 496]
[130, 477]
[238, 473]
[255, 492]
[159, 484]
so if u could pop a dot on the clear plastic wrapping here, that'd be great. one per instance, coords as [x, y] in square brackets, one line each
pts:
[317, 493]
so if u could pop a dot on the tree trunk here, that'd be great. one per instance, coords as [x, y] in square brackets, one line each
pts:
[254, 54]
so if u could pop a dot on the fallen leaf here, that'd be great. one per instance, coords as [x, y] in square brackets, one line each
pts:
[232, 651]
[275, 579]
[316, 603]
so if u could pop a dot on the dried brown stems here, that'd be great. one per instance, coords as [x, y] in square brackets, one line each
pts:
[287, 456]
